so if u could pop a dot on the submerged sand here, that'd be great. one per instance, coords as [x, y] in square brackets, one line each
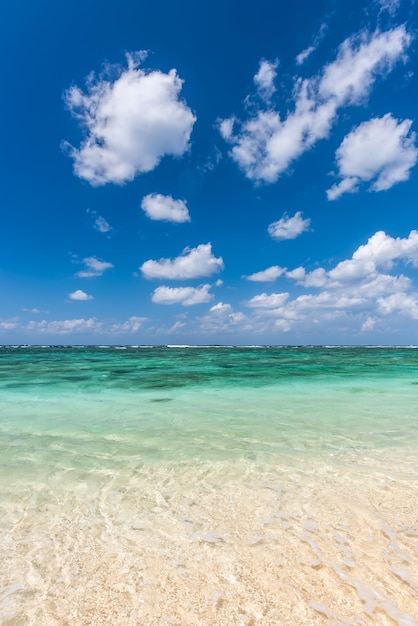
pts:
[329, 541]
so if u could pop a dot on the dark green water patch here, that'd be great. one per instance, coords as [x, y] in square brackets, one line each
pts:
[93, 368]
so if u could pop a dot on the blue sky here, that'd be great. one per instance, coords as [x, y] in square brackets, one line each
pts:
[213, 172]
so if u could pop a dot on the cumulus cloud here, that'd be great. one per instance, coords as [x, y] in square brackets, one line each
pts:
[367, 292]
[265, 301]
[130, 122]
[165, 208]
[289, 227]
[363, 271]
[264, 79]
[93, 267]
[406, 304]
[79, 295]
[221, 318]
[268, 275]
[359, 288]
[381, 250]
[265, 145]
[187, 296]
[220, 308]
[381, 151]
[297, 274]
[192, 263]
[315, 278]
[356, 286]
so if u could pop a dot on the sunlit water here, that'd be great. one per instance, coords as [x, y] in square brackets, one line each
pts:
[198, 486]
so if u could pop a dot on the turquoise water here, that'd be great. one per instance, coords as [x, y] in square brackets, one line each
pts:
[98, 442]
[210, 403]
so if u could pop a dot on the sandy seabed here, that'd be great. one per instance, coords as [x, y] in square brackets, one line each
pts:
[237, 543]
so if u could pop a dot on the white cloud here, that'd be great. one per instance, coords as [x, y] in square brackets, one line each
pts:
[9, 324]
[187, 296]
[226, 128]
[165, 208]
[64, 327]
[289, 227]
[220, 308]
[368, 324]
[175, 327]
[102, 225]
[316, 278]
[79, 295]
[347, 185]
[131, 325]
[297, 274]
[360, 60]
[92, 325]
[265, 301]
[130, 122]
[367, 292]
[268, 275]
[283, 325]
[326, 300]
[362, 271]
[379, 284]
[93, 267]
[264, 146]
[381, 250]
[358, 293]
[264, 79]
[305, 54]
[381, 151]
[221, 318]
[192, 263]
[356, 283]
[406, 304]
[391, 6]
[302, 56]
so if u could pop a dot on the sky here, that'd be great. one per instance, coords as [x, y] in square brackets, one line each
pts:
[231, 172]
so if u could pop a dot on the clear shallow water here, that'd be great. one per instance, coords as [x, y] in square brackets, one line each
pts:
[209, 485]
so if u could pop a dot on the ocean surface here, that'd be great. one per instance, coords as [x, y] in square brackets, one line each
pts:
[208, 485]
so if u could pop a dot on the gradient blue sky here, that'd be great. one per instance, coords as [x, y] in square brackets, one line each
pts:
[213, 172]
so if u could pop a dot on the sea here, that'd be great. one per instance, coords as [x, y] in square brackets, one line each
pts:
[192, 485]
